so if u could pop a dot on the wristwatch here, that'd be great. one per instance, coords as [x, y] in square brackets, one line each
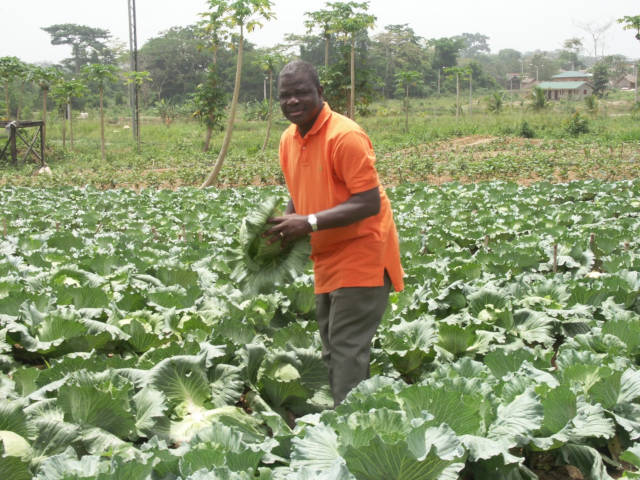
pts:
[313, 221]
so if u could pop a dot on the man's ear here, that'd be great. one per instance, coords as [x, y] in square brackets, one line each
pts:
[321, 91]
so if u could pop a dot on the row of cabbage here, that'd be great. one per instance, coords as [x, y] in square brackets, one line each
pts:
[127, 349]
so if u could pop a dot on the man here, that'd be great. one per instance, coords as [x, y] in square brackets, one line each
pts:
[336, 197]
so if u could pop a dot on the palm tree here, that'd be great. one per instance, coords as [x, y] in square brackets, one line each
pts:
[539, 99]
[101, 74]
[244, 14]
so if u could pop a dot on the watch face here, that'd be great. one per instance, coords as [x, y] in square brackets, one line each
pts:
[313, 221]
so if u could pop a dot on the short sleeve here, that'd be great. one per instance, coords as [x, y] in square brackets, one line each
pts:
[354, 162]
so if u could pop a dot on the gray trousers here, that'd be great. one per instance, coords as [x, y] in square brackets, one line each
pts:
[348, 319]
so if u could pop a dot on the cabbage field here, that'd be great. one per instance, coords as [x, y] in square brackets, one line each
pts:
[129, 350]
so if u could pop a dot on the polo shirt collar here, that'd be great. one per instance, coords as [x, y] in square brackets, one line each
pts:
[321, 119]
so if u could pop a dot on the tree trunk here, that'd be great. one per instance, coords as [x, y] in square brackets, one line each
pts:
[232, 115]
[270, 114]
[207, 139]
[406, 110]
[104, 156]
[470, 93]
[457, 94]
[326, 51]
[70, 123]
[64, 130]
[352, 97]
[45, 93]
[635, 79]
[6, 100]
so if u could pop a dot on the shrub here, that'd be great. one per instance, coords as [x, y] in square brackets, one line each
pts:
[577, 125]
[525, 130]
[256, 110]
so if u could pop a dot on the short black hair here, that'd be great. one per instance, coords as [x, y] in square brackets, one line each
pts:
[307, 68]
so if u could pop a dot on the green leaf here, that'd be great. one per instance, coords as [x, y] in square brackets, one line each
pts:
[516, 420]
[182, 379]
[587, 459]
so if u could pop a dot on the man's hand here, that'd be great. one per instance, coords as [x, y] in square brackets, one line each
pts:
[287, 228]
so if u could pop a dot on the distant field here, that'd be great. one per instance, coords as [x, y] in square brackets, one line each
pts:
[437, 147]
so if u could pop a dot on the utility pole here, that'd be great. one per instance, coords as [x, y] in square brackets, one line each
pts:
[438, 81]
[134, 87]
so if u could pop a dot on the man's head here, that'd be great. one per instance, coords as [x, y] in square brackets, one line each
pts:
[300, 94]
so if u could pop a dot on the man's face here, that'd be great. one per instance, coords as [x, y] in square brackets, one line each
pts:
[300, 100]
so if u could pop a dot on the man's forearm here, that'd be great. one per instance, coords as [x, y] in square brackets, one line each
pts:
[357, 207]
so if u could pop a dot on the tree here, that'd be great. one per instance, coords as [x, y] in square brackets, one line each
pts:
[446, 51]
[572, 47]
[404, 80]
[270, 60]
[209, 98]
[88, 44]
[101, 74]
[209, 101]
[137, 79]
[495, 102]
[325, 19]
[396, 49]
[475, 44]
[175, 63]
[350, 19]
[631, 23]
[63, 92]
[241, 14]
[45, 77]
[457, 72]
[538, 99]
[597, 32]
[11, 68]
[600, 79]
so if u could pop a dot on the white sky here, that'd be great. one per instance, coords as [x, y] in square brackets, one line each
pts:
[524, 26]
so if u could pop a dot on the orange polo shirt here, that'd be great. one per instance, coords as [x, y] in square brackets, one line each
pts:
[333, 161]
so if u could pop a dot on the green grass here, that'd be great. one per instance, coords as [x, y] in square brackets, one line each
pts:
[436, 148]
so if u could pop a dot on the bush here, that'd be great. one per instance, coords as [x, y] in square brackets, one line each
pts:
[577, 125]
[591, 102]
[525, 130]
[256, 110]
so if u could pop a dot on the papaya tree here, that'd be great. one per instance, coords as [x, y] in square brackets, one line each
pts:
[404, 80]
[44, 77]
[325, 20]
[137, 79]
[631, 23]
[101, 74]
[63, 92]
[270, 60]
[209, 102]
[350, 18]
[456, 72]
[244, 15]
[209, 98]
[11, 68]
